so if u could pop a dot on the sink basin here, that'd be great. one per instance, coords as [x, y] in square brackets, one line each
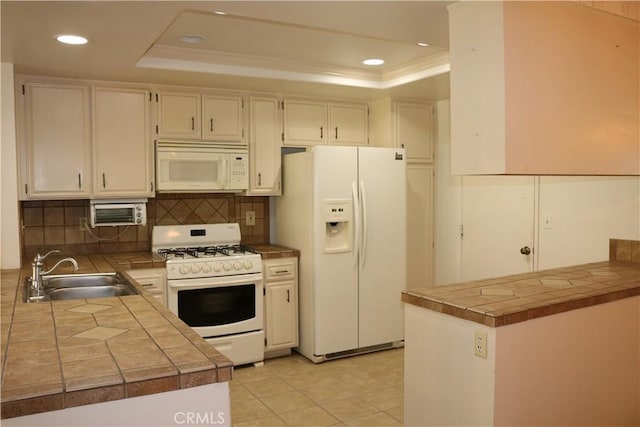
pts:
[80, 286]
[80, 280]
[89, 292]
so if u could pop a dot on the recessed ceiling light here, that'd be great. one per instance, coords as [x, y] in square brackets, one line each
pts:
[71, 39]
[373, 61]
[421, 44]
[192, 38]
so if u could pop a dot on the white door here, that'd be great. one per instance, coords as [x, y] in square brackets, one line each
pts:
[335, 275]
[497, 222]
[382, 178]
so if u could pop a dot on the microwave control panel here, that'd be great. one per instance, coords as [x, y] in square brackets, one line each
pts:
[238, 173]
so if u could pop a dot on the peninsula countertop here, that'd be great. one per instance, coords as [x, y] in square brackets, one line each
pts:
[62, 354]
[517, 298]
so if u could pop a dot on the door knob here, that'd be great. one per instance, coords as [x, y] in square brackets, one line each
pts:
[525, 251]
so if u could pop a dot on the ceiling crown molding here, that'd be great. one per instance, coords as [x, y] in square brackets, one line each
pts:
[196, 60]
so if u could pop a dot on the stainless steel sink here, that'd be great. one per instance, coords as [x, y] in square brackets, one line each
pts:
[89, 292]
[80, 286]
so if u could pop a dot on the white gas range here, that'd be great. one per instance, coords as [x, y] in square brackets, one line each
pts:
[214, 285]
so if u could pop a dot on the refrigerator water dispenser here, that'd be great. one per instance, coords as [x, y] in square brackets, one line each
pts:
[337, 223]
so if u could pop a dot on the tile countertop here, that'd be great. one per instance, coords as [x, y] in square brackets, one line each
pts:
[269, 251]
[63, 354]
[521, 297]
[517, 298]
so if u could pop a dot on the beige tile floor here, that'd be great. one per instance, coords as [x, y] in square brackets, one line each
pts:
[364, 390]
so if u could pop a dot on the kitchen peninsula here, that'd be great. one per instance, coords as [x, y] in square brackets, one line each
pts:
[559, 347]
[119, 360]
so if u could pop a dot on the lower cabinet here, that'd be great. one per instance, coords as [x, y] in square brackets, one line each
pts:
[281, 305]
[153, 280]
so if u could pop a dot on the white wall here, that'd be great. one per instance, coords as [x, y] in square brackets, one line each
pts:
[445, 384]
[9, 217]
[584, 213]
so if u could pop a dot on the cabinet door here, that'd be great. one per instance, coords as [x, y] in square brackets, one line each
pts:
[264, 147]
[281, 329]
[414, 124]
[420, 225]
[58, 141]
[122, 142]
[180, 115]
[305, 122]
[349, 124]
[222, 119]
[281, 303]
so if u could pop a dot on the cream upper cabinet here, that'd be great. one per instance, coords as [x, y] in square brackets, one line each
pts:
[196, 116]
[222, 118]
[403, 124]
[414, 130]
[264, 146]
[123, 148]
[281, 303]
[57, 141]
[349, 124]
[543, 88]
[311, 122]
[305, 122]
[179, 115]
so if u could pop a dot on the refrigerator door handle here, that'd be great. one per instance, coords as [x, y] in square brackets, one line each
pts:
[356, 229]
[363, 240]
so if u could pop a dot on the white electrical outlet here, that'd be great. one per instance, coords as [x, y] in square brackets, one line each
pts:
[250, 218]
[480, 343]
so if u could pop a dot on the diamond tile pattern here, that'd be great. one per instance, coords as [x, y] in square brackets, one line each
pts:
[101, 333]
[192, 211]
[90, 308]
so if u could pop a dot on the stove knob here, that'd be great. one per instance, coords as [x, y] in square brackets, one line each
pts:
[217, 267]
[184, 269]
[248, 265]
[226, 266]
[237, 265]
[206, 268]
[195, 268]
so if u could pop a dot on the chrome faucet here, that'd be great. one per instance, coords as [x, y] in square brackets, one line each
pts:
[37, 273]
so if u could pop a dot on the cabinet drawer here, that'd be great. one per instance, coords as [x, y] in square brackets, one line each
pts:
[285, 270]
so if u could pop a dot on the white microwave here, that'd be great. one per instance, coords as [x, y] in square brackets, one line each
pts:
[201, 167]
[118, 212]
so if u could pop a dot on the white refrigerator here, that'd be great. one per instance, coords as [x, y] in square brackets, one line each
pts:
[344, 208]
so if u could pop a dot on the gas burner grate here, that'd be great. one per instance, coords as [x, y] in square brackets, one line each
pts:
[206, 251]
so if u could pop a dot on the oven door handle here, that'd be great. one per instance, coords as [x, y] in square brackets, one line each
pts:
[215, 282]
